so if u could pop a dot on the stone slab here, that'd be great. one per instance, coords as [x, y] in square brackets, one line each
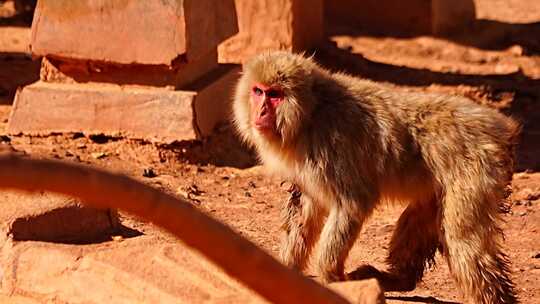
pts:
[131, 31]
[274, 24]
[106, 273]
[165, 272]
[144, 113]
[52, 218]
[360, 292]
[413, 17]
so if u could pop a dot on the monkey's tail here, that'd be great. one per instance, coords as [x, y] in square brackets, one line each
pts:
[472, 238]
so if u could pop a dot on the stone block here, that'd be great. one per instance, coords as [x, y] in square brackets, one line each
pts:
[145, 113]
[131, 31]
[164, 273]
[414, 17]
[82, 71]
[52, 218]
[274, 24]
[360, 292]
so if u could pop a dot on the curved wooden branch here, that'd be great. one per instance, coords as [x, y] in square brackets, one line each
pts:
[239, 257]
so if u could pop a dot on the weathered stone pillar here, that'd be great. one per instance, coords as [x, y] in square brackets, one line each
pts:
[411, 17]
[274, 24]
[140, 69]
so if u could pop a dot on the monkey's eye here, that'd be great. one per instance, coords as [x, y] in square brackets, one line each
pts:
[273, 93]
[257, 91]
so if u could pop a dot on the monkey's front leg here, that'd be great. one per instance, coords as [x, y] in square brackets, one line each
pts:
[337, 238]
[302, 222]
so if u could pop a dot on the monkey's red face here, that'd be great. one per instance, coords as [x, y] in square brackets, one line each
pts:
[265, 100]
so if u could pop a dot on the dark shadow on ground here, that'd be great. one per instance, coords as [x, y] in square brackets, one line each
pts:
[482, 33]
[525, 106]
[222, 149]
[16, 70]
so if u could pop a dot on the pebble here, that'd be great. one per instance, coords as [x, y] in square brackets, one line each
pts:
[149, 172]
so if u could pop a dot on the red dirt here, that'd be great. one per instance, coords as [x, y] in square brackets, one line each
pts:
[496, 63]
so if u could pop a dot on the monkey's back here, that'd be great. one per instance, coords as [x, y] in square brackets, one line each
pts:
[455, 133]
[424, 135]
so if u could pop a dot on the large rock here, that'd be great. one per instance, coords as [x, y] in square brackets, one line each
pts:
[274, 24]
[52, 218]
[131, 31]
[144, 113]
[116, 67]
[413, 17]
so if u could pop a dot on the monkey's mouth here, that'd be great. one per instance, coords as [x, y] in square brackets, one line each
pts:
[265, 127]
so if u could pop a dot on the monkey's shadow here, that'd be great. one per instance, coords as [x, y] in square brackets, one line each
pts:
[365, 272]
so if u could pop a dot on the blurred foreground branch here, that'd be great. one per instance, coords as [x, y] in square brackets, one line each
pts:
[239, 257]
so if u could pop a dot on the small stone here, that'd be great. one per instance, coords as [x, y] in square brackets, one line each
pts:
[252, 184]
[68, 153]
[99, 138]
[99, 155]
[182, 193]
[533, 196]
[190, 193]
[77, 135]
[81, 146]
[149, 172]
[117, 238]
[247, 194]
[536, 256]
[52, 218]
[516, 50]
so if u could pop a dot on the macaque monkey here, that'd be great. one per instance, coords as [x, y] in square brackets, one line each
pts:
[348, 144]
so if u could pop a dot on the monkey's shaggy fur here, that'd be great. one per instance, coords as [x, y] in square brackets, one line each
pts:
[350, 144]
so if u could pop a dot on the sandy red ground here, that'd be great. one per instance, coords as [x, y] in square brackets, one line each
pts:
[497, 63]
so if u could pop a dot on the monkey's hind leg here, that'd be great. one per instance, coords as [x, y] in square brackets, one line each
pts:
[302, 221]
[413, 246]
[472, 245]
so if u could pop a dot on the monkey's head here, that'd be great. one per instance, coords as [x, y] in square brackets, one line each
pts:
[274, 97]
